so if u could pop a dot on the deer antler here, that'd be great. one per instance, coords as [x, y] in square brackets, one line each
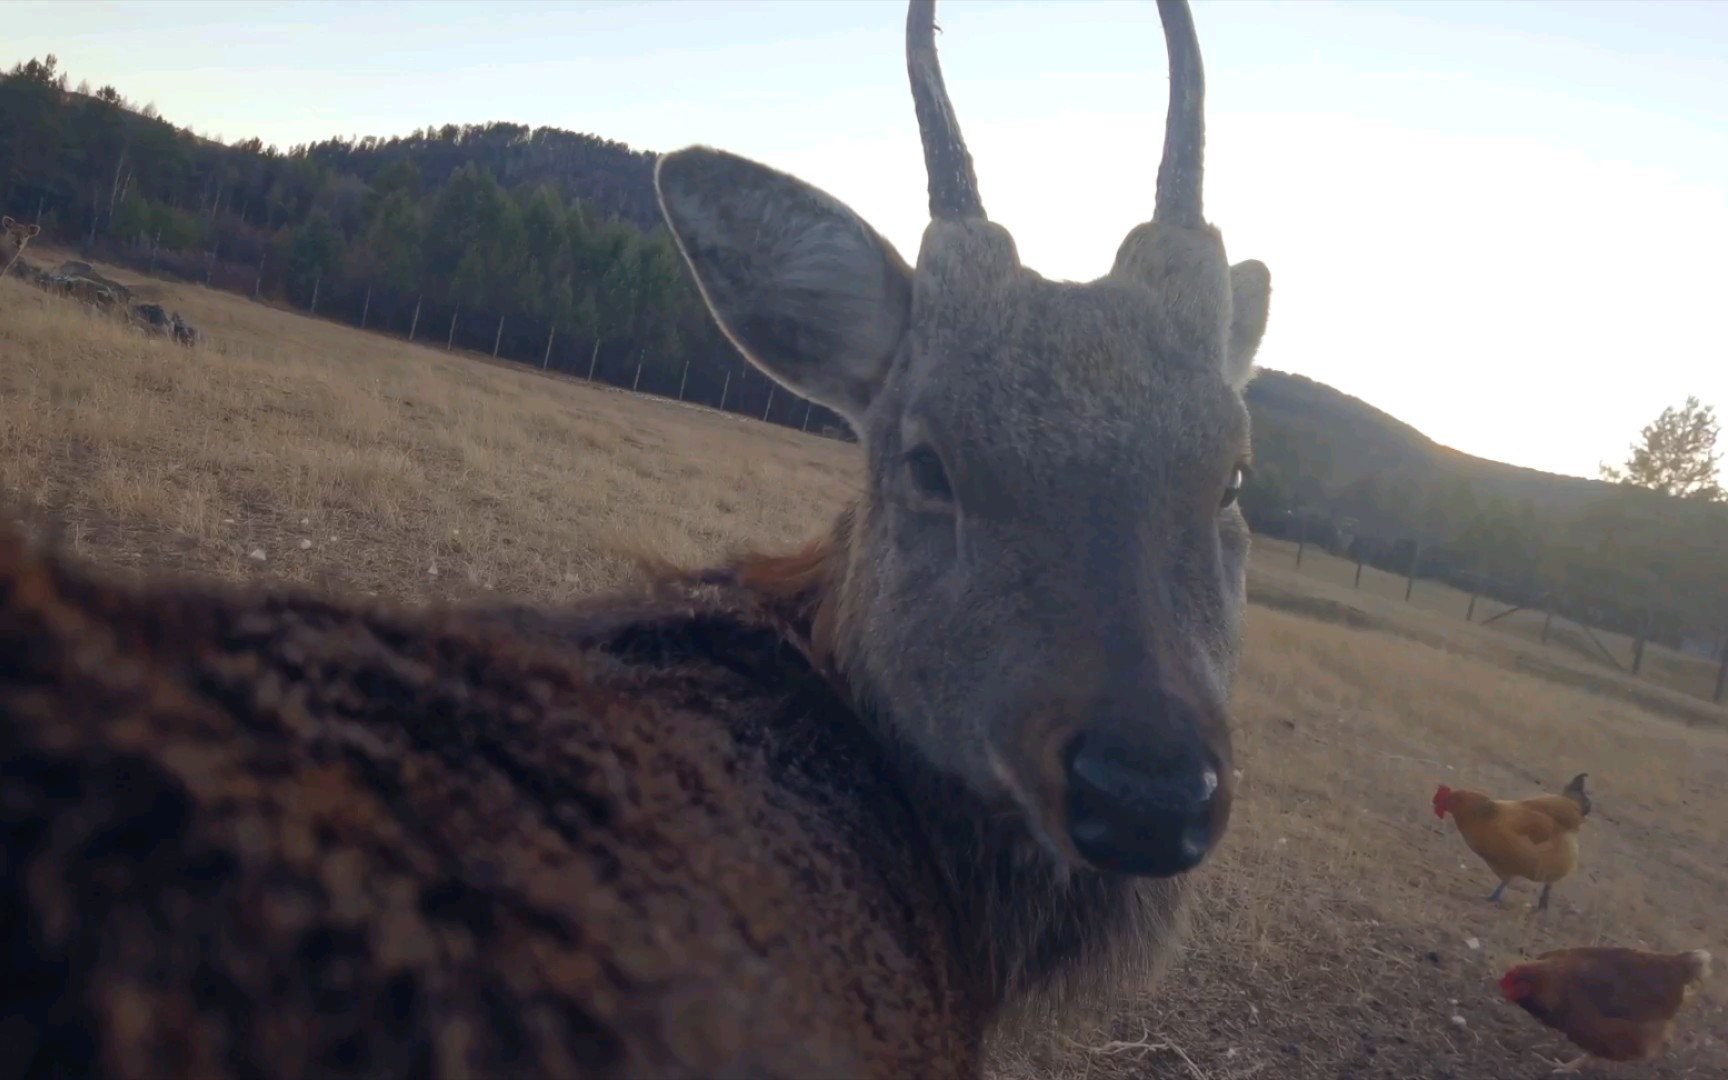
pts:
[1179, 173]
[953, 184]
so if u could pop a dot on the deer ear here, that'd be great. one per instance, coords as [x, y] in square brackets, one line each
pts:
[1250, 299]
[802, 285]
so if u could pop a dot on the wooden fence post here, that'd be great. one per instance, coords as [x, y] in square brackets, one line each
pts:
[637, 381]
[1547, 618]
[771, 388]
[807, 406]
[594, 358]
[1475, 591]
[683, 379]
[1721, 678]
[498, 337]
[1301, 540]
[366, 308]
[317, 281]
[724, 387]
[547, 359]
[450, 342]
[415, 324]
[257, 286]
[1358, 584]
[1415, 557]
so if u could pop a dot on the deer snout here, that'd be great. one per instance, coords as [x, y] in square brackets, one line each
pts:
[1139, 807]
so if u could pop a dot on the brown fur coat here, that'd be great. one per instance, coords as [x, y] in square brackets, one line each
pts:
[250, 834]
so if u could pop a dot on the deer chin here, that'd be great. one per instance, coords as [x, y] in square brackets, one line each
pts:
[1040, 805]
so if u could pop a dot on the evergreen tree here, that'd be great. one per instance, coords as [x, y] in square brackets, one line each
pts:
[1675, 454]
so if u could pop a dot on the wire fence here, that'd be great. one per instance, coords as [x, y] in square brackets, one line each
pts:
[726, 383]
[1403, 570]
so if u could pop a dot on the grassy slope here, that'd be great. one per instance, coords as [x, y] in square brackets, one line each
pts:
[1332, 940]
[1380, 597]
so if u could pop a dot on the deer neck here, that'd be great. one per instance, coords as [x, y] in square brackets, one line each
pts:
[1042, 942]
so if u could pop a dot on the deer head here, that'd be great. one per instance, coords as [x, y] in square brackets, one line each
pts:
[18, 230]
[20, 234]
[1044, 580]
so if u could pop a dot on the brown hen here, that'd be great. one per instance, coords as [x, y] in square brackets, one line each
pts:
[1616, 1004]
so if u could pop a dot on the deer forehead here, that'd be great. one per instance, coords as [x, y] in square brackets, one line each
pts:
[1063, 375]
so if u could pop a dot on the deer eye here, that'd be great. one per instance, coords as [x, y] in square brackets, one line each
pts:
[928, 476]
[1233, 490]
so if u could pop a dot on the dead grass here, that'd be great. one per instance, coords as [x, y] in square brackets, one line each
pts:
[1608, 653]
[407, 470]
[1333, 937]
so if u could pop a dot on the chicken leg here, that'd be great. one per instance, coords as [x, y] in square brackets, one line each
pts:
[1494, 897]
[1542, 904]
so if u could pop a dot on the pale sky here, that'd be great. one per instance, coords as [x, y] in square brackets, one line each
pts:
[1503, 222]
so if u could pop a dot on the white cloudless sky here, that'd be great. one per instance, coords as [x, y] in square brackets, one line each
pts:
[1503, 222]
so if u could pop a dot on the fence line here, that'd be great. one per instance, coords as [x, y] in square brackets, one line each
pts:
[1482, 592]
[619, 363]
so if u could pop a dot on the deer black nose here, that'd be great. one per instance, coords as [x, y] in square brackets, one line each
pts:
[1139, 809]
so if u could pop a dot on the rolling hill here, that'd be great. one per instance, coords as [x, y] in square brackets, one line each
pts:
[1321, 425]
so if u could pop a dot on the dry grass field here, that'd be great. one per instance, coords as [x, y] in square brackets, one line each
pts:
[1341, 930]
[1663, 666]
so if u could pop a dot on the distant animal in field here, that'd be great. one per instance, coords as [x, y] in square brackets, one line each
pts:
[152, 316]
[84, 290]
[18, 236]
[839, 812]
[184, 333]
[157, 319]
[1535, 839]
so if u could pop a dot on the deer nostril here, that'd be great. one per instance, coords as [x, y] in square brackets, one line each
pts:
[1137, 810]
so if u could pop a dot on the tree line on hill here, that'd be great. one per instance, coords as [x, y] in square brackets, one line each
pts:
[537, 245]
[545, 246]
[1643, 554]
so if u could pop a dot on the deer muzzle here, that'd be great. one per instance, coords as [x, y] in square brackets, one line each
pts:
[1143, 806]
